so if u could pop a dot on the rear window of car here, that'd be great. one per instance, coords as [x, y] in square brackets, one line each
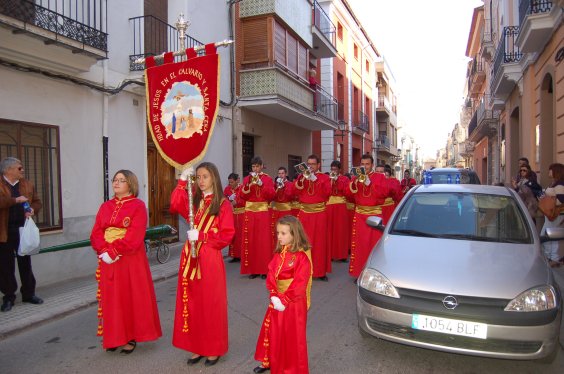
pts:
[463, 216]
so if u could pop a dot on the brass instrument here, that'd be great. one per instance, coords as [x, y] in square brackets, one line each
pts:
[279, 183]
[304, 169]
[307, 173]
[360, 173]
[333, 175]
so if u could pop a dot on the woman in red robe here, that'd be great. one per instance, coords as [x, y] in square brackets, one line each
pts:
[282, 344]
[200, 318]
[127, 308]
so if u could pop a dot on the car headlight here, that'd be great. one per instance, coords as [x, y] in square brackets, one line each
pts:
[534, 300]
[372, 280]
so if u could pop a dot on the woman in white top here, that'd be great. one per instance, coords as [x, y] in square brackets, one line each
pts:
[556, 173]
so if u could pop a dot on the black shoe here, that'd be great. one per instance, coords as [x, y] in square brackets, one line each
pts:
[128, 351]
[260, 369]
[211, 362]
[111, 349]
[33, 300]
[195, 360]
[343, 260]
[234, 259]
[323, 279]
[253, 276]
[263, 276]
[7, 306]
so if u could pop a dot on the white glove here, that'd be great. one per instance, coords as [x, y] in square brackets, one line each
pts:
[259, 182]
[193, 234]
[278, 180]
[189, 171]
[106, 258]
[312, 177]
[277, 303]
[232, 197]
[367, 181]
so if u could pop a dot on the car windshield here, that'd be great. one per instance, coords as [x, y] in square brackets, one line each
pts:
[442, 177]
[464, 216]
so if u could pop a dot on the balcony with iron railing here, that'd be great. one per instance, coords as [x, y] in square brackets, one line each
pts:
[80, 25]
[385, 111]
[484, 121]
[324, 34]
[326, 105]
[506, 70]
[537, 19]
[151, 37]
[476, 77]
[360, 121]
[487, 49]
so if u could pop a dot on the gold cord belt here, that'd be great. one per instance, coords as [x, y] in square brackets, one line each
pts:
[282, 207]
[313, 208]
[368, 210]
[256, 206]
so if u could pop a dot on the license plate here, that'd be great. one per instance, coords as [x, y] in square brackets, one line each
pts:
[449, 326]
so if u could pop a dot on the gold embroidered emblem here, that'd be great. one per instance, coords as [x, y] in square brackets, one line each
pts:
[126, 221]
[291, 263]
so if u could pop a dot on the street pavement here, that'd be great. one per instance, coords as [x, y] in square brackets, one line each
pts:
[59, 336]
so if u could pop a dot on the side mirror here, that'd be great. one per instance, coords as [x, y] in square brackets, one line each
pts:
[552, 234]
[375, 222]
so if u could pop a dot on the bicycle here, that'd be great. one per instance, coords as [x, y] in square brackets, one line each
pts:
[163, 251]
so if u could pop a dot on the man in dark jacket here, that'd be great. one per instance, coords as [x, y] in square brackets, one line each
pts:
[15, 192]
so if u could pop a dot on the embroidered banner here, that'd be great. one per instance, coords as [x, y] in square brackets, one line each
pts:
[182, 103]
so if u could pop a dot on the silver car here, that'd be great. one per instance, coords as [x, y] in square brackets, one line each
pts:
[459, 268]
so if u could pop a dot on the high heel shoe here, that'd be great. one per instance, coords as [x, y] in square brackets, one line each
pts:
[128, 351]
[194, 360]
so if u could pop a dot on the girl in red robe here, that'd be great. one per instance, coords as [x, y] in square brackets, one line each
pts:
[127, 308]
[282, 345]
[200, 319]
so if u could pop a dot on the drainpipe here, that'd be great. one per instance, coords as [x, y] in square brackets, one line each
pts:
[105, 132]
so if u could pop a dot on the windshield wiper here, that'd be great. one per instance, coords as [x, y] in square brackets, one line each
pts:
[415, 233]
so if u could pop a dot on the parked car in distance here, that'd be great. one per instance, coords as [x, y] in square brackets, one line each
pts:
[451, 176]
[460, 269]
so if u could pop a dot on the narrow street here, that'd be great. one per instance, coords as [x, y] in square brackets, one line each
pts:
[69, 344]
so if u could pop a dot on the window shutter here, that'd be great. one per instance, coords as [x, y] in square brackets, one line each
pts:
[292, 54]
[279, 44]
[302, 61]
[255, 40]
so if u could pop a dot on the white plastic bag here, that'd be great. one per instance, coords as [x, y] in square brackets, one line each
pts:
[29, 238]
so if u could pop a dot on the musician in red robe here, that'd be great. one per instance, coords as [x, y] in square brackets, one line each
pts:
[282, 344]
[200, 318]
[395, 195]
[369, 195]
[313, 189]
[127, 308]
[232, 193]
[338, 222]
[257, 192]
[407, 182]
[282, 202]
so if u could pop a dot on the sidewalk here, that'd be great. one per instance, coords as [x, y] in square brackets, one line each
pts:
[64, 298]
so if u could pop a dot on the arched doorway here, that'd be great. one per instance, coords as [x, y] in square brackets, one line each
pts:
[546, 146]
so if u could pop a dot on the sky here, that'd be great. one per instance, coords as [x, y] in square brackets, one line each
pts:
[424, 44]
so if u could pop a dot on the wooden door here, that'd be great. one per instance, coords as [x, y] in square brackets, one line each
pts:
[161, 183]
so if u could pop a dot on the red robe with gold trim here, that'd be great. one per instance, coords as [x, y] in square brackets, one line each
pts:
[200, 318]
[128, 307]
[238, 218]
[281, 206]
[368, 202]
[338, 222]
[282, 343]
[391, 202]
[315, 194]
[256, 250]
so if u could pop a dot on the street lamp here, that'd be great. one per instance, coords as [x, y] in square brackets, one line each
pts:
[342, 128]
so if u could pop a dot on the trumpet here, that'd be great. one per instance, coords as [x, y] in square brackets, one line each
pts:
[333, 175]
[279, 183]
[307, 173]
[362, 178]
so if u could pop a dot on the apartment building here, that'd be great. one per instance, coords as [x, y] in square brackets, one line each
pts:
[515, 84]
[73, 108]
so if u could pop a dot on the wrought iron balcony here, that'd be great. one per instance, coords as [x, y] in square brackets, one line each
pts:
[484, 121]
[505, 71]
[488, 36]
[152, 36]
[476, 76]
[326, 105]
[324, 33]
[82, 21]
[537, 19]
[360, 121]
